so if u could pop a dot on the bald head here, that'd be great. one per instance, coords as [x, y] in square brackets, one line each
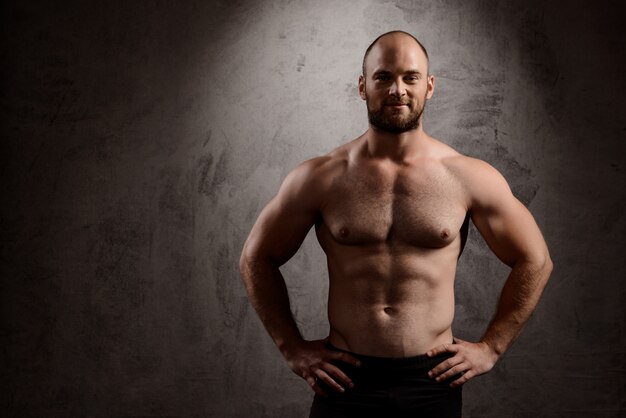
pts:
[394, 33]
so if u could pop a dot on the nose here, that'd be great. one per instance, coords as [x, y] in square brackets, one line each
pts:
[397, 89]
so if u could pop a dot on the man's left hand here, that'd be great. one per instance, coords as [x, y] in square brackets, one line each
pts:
[471, 359]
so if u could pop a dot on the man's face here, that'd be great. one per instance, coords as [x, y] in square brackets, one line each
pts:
[395, 86]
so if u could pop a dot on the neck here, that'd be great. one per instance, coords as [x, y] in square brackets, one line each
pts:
[396, 147]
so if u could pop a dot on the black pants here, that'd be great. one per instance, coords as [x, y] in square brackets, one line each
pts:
[388, 388]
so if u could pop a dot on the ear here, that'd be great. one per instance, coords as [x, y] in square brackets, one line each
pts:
[362, 87]
[430, 86]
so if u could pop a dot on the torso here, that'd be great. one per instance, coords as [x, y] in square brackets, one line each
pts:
[392, 234]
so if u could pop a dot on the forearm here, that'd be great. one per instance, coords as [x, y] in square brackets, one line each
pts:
[268, 294]
[520, 295]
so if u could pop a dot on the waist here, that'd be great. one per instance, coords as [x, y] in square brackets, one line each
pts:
[390, 330]
[386, 363]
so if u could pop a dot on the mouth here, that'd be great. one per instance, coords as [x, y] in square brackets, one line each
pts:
[397, 108]
[397, 105]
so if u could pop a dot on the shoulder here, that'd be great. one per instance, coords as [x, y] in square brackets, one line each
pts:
[319, 169]
[483, 184]
[312, 178]
[472, 170]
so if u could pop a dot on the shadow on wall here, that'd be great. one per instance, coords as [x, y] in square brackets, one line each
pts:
[142, 140]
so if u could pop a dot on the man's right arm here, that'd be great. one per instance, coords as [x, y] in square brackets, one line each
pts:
[275, 237]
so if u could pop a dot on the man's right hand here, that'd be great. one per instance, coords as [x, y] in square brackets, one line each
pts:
[311, 361]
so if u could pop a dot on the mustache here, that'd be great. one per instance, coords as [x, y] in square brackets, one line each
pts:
[395, 103]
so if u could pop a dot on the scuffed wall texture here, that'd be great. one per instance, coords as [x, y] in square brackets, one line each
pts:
[140, 140]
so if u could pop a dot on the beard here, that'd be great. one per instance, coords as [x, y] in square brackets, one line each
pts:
[395, 123]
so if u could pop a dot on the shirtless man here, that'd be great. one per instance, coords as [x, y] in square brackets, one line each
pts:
[391, 211]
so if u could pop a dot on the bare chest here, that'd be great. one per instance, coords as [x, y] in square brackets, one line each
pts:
[422, 208]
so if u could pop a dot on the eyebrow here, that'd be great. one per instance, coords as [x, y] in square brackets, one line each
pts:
[389, 72]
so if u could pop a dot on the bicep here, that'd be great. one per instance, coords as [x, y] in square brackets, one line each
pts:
[506, 224]
[284, 223]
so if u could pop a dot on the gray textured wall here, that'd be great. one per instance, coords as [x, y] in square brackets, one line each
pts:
[140, 140]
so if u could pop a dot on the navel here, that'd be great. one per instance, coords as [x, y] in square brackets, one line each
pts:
[388, 310]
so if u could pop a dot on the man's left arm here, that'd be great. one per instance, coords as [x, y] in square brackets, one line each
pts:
[513, 235]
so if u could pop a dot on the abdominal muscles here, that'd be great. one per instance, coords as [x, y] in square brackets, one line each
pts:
[391, 302]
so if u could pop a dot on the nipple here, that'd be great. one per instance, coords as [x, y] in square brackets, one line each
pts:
[445, 234]
[344, 232]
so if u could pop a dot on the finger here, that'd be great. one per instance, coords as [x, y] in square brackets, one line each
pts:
[323, 376]
[443, 348]
[459, 368]
[445, 365]
[461, 380]
[336, 372]
[345, 357]
[317, 389]
[313, 382]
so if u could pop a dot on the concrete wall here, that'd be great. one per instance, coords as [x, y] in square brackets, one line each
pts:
[140, 140]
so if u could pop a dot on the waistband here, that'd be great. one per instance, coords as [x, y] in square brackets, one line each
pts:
[374, 361]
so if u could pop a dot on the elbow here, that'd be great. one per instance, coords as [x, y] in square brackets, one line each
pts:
[545, 267]
[245, 260]
[247, 268]
[548, 265]
[252, 258]
[540, 265]
[546, 271]
[242, 263]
